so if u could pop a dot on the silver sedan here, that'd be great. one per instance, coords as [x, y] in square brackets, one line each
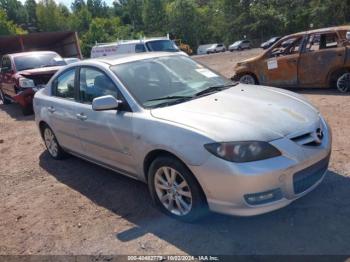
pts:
[200, 141]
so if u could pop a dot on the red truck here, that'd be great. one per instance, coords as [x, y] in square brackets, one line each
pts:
[22, 74]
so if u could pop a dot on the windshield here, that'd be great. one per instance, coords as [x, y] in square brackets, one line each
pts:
[237, 43]
[166, 77]
[162, 45]
[31, 61]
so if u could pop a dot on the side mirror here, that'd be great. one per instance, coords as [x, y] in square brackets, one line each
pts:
[103, 103]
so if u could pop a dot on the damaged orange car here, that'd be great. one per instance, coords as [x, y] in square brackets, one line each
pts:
[317, 58]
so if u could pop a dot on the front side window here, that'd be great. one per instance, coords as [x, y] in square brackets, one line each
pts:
[287, 47]
[65, 84]
[140, 48]
[94, 83]
[162, 45]
[6, 64]
[153, 81]
[37, 60]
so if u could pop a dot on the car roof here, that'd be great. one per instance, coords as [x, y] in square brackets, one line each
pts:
[125, 58]
[31, 53]
[322, 30]
[127, 42]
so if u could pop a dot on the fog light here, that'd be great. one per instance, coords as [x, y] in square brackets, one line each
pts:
[263, 197]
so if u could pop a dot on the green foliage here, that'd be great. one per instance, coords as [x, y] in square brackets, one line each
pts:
[193, 21]
[7, 27]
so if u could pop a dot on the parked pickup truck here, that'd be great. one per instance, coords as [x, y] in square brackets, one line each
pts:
[22, 74]
[317, 58]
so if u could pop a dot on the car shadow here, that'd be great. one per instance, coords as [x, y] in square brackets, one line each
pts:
[318, 223]
[15, 112]
[319, 91]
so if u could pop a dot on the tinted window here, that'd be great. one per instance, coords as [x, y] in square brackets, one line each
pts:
[162, 45]
[65, 84]
[36, 60]
[94, 83]
[6, 63]
[140, 48]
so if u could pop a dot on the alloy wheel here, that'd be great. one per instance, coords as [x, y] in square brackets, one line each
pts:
[173, 191]
[50, 142]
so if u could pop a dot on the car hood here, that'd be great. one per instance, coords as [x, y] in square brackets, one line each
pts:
[242, 113]
[40, 71]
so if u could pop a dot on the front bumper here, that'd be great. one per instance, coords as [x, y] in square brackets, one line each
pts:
[293, 174]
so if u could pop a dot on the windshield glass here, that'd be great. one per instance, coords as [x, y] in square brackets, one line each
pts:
[237, 43]
[31, 61]
[162, 45]
[162, 77]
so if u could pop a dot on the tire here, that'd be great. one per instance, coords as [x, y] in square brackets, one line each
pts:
[186, 203]
[52, 145]
[343, 82]
[28, 110]
[247, 79]
[3, 98]
[239, 48]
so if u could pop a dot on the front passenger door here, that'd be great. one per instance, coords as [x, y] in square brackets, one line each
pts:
[280, 66]
[106, 136]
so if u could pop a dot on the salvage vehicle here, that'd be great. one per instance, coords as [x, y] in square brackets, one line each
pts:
[270, 42]
[22, 74]
[239, 45]
[317, 58]
[216, 48]
[185, 130]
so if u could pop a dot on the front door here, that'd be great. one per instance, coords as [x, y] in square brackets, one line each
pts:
[61, 109]
[106, 136]
[322, 53]
[280, 66]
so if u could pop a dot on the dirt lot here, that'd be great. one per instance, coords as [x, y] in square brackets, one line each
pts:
[74, 207]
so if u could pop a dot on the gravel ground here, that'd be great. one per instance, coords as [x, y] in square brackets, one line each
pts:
[74, 207]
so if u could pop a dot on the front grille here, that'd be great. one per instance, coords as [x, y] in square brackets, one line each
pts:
[307, 177]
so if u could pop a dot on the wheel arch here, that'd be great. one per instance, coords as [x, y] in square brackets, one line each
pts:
[334, 73]
[152, 155]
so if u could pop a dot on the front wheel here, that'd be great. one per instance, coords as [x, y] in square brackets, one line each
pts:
[52, 145]
[175, 191]
[343, 82]
[247, 79]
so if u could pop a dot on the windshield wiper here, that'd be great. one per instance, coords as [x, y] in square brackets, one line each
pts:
[212, 89]
[170, 98]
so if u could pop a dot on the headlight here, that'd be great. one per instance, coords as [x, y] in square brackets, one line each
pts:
[26, 83]
[243, 151]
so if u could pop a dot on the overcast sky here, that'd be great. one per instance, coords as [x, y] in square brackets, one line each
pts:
[69, 2]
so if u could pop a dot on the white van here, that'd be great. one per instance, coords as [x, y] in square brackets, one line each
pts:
[162, 44]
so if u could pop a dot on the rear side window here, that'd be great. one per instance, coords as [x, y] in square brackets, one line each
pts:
[94, 83]
[65, 84]
[140, 48]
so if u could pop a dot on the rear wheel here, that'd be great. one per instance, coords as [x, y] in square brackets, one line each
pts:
[3, 98]
[247, 79]
[175, 191]
[51, 144]
[343, 82]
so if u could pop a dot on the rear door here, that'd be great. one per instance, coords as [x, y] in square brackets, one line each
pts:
[61, 110]
[280, 65]
[106, 136]
[322, 53]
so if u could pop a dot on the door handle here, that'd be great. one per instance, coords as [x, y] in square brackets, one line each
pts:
[292, 61]
[81, 116]
[51, 109]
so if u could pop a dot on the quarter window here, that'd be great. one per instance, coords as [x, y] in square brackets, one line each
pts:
[65, 84]
[94, 83]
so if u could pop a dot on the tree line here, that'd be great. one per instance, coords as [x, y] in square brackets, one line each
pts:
[195, 22]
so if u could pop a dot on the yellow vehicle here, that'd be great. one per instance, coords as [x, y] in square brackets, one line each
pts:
[183, 47]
